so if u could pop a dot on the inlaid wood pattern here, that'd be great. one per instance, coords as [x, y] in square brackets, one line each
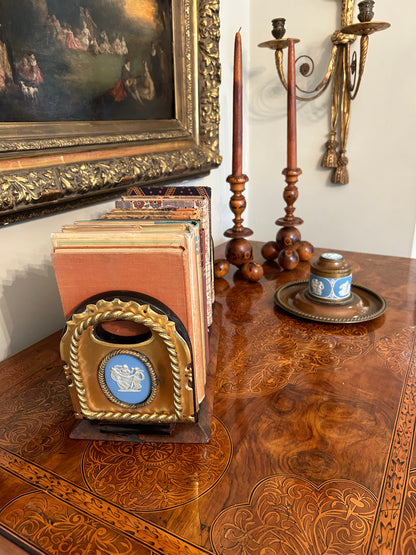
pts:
[395, 479]
[80, 511]
[312, 448]
[406, 543]
[395, 350]
[59, 528]
[294, 347]
[155, 476]
[33, 420]
[291, 515]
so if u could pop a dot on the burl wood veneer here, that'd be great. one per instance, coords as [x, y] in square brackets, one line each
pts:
[311, 449]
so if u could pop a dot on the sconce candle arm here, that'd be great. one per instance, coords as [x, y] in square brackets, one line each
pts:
[279, 66]
[363, 29]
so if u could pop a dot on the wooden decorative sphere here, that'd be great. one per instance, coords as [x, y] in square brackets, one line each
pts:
[288, 259]
[305, 250]
[238, 251]
[286, 237]
[269, 250]
[221, 267]
[252, 271]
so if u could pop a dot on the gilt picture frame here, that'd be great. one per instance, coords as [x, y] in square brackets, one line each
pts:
[59, 160]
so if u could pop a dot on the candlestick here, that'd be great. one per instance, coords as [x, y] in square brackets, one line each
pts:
[291, 172]
[238, 250]
[288, 238]
[291, 108]
[237, 166]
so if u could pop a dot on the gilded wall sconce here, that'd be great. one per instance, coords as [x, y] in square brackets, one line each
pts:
[346, 71]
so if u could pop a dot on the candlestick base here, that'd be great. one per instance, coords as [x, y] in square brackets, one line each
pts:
[238, 251]
[243, 232]
[286, 237]
[288, 259]
[288, 247]
[286, 222]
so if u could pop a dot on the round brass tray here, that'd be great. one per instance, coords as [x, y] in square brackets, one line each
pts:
[362, 305]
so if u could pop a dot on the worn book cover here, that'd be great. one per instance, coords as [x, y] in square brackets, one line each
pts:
[167, 216]
[170, 199]
[153, 214]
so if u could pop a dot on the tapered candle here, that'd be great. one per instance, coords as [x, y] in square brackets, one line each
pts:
[238, 108]
[291, 108]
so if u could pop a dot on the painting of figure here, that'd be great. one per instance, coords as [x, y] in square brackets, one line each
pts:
[86, 60]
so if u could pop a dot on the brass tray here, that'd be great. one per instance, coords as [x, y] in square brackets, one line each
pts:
[362, 305]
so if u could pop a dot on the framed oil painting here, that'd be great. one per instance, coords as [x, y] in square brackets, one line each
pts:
[97, 95]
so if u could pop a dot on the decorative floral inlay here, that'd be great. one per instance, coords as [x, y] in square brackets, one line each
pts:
[156, 476]
[407, 533]
[28, 420]
[57, 528]
[267, 362]
[395, 350]
[290, 515]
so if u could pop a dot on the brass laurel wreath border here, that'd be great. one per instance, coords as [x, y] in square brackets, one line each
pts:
[148, 321]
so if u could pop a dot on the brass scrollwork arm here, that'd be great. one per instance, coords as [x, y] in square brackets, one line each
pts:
[305, 70]
[352, 88]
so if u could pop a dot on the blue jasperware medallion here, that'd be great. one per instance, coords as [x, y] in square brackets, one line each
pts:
[128, 378]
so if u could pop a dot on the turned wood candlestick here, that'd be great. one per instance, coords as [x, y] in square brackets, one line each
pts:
[238, 250]
[288, 237]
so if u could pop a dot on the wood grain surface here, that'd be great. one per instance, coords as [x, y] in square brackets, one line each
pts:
[311, 448]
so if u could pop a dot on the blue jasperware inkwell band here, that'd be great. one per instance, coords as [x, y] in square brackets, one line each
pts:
[330, 278]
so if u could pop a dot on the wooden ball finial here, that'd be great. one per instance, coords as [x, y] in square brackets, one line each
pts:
[252, 271]
[269, 250]
[288, 259]
[305, 250]
[221, 267]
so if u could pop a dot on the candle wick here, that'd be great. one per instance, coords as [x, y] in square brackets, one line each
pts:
[239, 30]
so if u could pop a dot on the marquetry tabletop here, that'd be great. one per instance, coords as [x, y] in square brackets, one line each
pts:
[311, 448]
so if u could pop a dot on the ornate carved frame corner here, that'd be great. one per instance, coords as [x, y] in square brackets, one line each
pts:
[51, 167]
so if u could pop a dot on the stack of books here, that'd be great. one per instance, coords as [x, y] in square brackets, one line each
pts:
[151, 247]
[174, 203]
